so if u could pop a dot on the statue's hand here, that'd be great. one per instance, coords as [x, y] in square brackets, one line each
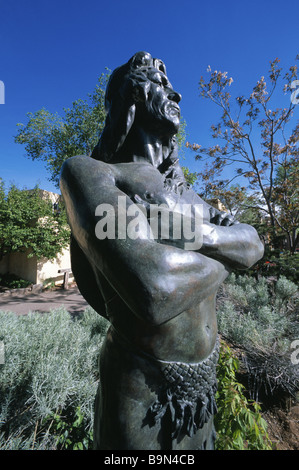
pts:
[142, 202]
[221, 218]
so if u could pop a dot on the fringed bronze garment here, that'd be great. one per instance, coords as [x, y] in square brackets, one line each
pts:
[188, 395]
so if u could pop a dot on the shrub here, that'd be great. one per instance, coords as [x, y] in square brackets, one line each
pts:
[13, 281]
[50, 370]
[239, 424]
[262, 318]
[276, 263]
[254, 313]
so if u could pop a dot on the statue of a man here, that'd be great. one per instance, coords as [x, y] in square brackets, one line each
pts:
[158, 361]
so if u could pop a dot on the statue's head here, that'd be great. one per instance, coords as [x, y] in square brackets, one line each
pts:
[138, 94]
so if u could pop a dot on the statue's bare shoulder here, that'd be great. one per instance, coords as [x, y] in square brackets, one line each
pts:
[84, 170]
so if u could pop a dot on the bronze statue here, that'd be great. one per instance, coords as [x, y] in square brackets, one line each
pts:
[158, 361]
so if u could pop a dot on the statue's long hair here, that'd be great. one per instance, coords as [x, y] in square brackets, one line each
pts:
[127, 85]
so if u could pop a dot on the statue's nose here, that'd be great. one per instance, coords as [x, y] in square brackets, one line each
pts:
[174, 96]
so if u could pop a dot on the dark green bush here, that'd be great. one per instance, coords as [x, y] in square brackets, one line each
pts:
[276, 263]
[13, 282]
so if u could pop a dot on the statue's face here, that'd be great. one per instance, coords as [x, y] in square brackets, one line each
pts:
[161, 110]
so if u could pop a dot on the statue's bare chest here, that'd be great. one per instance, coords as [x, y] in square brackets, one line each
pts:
[148, 184]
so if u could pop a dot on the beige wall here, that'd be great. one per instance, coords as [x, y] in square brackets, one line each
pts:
[20, 265]
[33, 270]
[217, 204]
[49, 269]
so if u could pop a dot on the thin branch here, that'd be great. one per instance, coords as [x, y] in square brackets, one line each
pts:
[271, 161]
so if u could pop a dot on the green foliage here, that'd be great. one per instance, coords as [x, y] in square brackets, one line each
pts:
[253, 312]
[190, 177]
[12, 281]
[52, 138]
[49, 379]
[277, 263]
[239, 424]
[69, 431]
[181, 138]
[261, 317]
[28, 222]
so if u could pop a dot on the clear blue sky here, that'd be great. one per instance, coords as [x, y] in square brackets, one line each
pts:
[52, 52]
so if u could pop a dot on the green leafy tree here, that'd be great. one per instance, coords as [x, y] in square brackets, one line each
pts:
[256, 143]
[52, 139]
[29, 223]
[191, 177]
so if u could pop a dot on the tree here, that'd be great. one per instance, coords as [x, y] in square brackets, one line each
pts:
[233, 198]
[286, 194]
[52, 138]
[28, 222]
[191, 177]
[252, 140]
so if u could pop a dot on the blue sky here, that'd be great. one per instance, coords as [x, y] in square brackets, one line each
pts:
[52, 52]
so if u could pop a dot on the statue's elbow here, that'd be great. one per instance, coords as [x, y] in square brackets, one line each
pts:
[252, 247]
[254, 254]
[259, 250]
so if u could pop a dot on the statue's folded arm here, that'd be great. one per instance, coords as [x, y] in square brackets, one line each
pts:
[156, 281]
